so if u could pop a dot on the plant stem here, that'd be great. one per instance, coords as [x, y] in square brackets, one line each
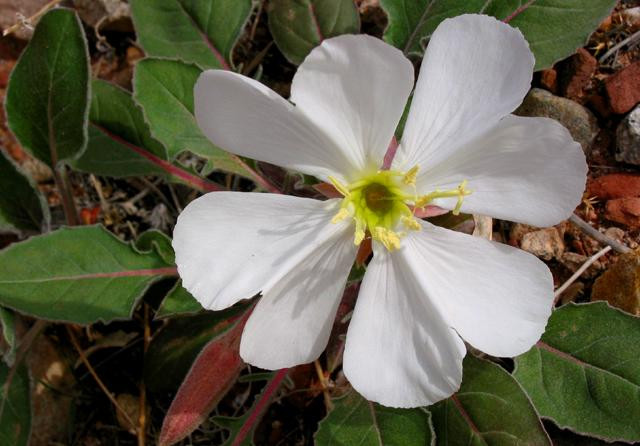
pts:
[590, 261]
[64, 187]
[93, 373]
[593, 232]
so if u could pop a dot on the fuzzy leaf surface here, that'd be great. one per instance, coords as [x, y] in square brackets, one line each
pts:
[22, 207]
[355, 420]
[212, 374]
[198, 32]
[585, 372]
[116, 129]
[299, 26]
[48, 95]
[489, 409]
[81, 274]
[174, 348]
[553, 28]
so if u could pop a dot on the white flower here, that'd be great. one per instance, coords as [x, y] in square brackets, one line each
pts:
[426, 288]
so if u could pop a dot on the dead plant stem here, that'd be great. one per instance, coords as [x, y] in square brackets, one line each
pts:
[41, 11]
[323, 383]
[593, 232]
[93, 373]
[590, 261]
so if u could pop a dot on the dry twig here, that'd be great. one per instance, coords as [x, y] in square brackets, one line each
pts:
[93, 373]
[590, 261]
[593, 232]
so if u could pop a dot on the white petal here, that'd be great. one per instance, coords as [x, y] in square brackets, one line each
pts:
[231, 245]
[292, 322]
[475, 71]
[244, 117]
[498, 298]
[399, 350]
[528, 170]
[355, 88]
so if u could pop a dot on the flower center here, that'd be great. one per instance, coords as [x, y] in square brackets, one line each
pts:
[382, 204]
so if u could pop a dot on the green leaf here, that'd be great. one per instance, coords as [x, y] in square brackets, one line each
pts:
[554, 28]
[15, 409]
[117, 136]
[48, 94]
[178, 302]
[174, 348]
[8, 323]
[585, 372]
[490, 408]
[81, 274]
[158, 242]
[164, 89]
[355, 420]
[201, 32]
[22, 207]
[298, 26]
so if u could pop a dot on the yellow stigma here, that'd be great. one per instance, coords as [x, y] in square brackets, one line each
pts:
[380, 204]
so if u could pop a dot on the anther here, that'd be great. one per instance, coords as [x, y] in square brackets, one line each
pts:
[341, 215]
[410, 223]
[388, 238]
[409, 177]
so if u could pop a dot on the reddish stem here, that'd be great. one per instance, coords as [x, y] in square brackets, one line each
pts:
[261, 405]
[515, 13]
[194, 181]
[257, 178]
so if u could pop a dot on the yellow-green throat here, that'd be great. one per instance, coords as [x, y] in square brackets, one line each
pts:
[383, 203]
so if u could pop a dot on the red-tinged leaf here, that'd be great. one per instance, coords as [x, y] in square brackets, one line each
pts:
[212, 374]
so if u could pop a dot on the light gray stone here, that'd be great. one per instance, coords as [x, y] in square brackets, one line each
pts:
[628, 138]
[580, 122]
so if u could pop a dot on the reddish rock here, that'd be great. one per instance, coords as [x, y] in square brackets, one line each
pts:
[576, 76]
[616, 185]
[599, 104]
[623, 88]
[625, 211]
[620, 284]
[549, 80]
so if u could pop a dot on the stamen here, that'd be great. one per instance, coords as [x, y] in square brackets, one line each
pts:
[387, 237]
[462, 192]
[359, 233]
[344, 190]
[410, 176]
[411, 223]
[341, 215]
[459, 192]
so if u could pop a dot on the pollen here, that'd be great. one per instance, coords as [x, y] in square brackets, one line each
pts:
[380, 204]
[410, 177]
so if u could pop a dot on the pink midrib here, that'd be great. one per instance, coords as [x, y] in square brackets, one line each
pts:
[167, 271]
